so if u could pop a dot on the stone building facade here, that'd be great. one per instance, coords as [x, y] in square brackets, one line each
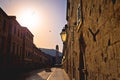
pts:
[27, 43]
[91, 51]
[3, 36]
[15, 42]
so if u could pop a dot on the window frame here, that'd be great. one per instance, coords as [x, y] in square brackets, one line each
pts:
[79, 15]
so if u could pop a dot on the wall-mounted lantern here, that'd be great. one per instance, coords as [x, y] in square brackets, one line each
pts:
[63, 35]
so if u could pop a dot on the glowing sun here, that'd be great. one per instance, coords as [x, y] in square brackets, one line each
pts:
[29, 18]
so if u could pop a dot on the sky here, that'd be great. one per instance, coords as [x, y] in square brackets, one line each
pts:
[44, 18]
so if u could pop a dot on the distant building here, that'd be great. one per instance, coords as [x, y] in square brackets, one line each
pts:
[52, 52]
[57, 55]
[41, 59]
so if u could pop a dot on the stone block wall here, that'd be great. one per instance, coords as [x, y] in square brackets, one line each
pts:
[101, 30]
[95, 47]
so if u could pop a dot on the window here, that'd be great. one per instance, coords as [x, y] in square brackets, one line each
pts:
[2, 45]
[13, 48]
[68, 9]
[26, 53]
[79, 15]
[21, 35]
[4, 25]
[15, 30]
[20, 51]
[29, 54]
[18, 32]
[10, 28]
[17, 50]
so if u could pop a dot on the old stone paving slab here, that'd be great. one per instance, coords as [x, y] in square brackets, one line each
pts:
[53, 74]
[58, 74]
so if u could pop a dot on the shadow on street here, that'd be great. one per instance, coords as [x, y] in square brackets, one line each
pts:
[17, 75]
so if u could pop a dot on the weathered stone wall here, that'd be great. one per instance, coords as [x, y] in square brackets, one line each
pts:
[101, 33]
[96, 45]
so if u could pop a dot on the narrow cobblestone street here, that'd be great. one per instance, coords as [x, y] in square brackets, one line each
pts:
[44, 74]
[38, 74]
[54, 74]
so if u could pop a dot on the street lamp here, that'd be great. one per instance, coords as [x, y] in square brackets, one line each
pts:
[63, 35]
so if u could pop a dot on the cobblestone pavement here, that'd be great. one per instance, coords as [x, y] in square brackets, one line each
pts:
[58, 74]
[43, 74]
[40, 74]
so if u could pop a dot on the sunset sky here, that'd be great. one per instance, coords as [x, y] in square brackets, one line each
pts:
[44, 18]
